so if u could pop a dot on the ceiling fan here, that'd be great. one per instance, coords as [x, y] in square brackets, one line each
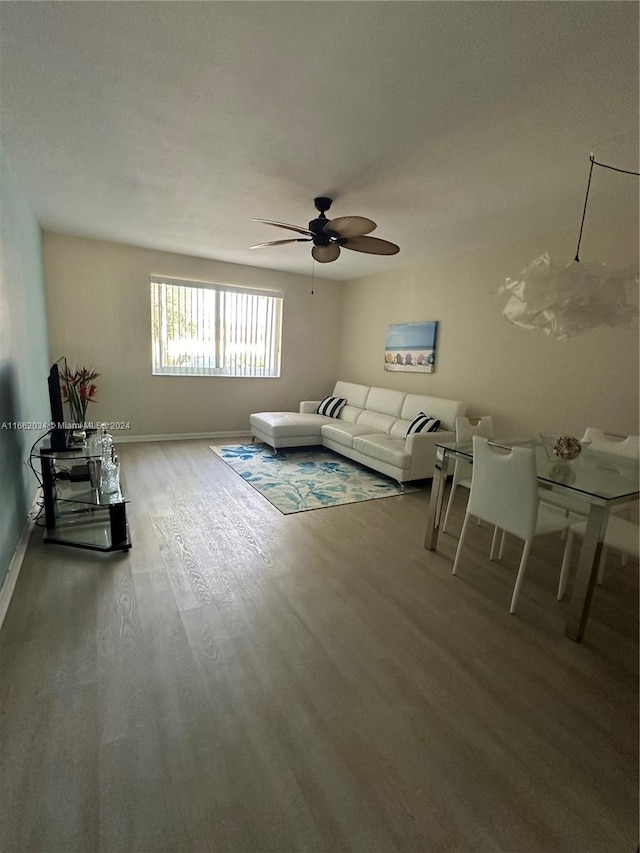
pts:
[330, 235]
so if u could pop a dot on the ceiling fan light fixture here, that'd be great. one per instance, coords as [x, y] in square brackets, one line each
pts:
[326, 254]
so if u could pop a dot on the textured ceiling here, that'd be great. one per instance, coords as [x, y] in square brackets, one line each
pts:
[453, 125]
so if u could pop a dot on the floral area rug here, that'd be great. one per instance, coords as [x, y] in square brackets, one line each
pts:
[299, 479]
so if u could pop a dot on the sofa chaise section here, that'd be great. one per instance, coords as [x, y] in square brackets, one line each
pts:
[288, 429]
[303, 428]
[370, 429]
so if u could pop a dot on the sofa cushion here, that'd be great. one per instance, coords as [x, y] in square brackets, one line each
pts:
[376, 422]
[350, 414]
[399, 429]
[423, 423]
[384, 448]
[356, 394]
[331, 406]
[386, 401]
[343, 433]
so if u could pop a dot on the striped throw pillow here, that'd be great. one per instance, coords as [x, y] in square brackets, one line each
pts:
[423, 423]
[331, 406]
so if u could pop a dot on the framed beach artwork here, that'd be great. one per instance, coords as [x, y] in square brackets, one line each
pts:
[411, 347]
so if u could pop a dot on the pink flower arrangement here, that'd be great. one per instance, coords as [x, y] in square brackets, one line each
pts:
[78, 389]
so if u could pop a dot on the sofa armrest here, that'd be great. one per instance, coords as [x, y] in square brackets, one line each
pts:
[308, 407]
[421, 446]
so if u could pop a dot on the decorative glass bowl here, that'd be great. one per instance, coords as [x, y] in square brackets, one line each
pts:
[562, 473]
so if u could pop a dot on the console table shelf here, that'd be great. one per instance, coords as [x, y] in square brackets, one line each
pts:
[76, 513]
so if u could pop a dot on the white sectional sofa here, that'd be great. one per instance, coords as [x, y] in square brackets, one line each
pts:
[370, 429]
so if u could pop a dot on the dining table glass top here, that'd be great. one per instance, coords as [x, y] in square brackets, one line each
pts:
[593, 474]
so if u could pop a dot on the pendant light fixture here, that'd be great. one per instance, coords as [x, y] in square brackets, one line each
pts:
[564, 300]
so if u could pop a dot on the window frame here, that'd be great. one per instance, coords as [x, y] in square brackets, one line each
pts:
[273, 332]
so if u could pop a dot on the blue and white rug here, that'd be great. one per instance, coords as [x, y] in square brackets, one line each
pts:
[299, 479]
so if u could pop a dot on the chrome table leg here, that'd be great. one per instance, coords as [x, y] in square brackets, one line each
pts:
[438, 484]
[586, 573]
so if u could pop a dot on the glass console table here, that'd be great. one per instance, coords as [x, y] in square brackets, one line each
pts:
[600, 480]
[78, 513]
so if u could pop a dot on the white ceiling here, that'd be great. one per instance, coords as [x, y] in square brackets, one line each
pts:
[453, 125]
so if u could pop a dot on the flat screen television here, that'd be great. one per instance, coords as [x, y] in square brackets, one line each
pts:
[59, 435]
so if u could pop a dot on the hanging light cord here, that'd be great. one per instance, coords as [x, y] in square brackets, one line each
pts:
[594, 162]
[613, 168]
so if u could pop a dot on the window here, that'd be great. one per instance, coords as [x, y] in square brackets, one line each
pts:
[201, 329]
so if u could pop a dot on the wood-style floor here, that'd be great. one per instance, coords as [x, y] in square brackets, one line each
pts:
[249, 682]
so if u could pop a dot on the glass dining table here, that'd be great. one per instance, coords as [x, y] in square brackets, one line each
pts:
[600, 480]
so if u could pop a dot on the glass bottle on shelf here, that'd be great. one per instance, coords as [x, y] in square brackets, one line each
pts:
[110, 475]
[106, 441]
[94, 444]
[109, 465]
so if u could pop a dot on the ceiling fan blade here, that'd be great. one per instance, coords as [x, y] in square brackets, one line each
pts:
[281, 242]
[371, 246]
[325, 254]
[350, 226]
[285, 225]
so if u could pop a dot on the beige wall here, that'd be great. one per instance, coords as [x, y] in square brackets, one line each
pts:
[98, 303]
[99, 314]
[527, 380]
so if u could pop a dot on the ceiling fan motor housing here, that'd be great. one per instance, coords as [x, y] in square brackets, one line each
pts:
[320, 236]
[316, 226]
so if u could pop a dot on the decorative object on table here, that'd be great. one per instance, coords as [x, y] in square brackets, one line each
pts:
[567, 447]
[562, 448]
[78, 390]
[564, 300]
[411, 347]
[300, 479]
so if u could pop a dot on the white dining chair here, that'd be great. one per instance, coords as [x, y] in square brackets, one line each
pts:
[624, 447]
[620, 534]
[504, 492]
[465, 430]
[618, 445]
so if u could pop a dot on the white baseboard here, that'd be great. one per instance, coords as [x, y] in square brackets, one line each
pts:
[6, 591]
[124, 439]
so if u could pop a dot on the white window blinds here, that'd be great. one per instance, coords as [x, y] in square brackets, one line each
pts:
[201, 329]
